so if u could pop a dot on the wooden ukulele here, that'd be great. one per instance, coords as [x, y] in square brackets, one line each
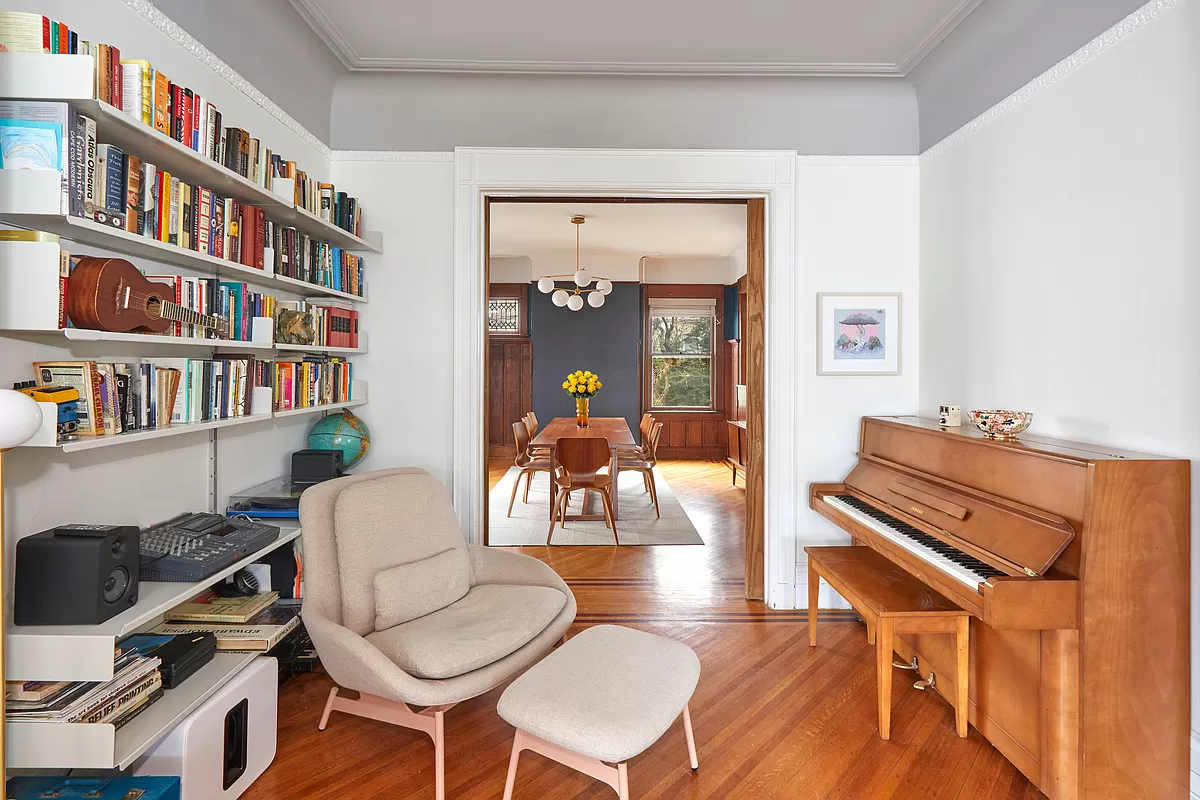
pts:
[110, 294]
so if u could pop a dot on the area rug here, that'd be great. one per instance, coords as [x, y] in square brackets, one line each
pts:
[636, 525]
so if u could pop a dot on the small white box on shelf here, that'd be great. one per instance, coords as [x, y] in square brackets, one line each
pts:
[40, 76]
[31, 191]
[262, 330]
[284, 188]
[29, 286]
[261, 400]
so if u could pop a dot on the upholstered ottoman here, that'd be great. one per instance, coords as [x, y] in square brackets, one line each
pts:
[602, 698]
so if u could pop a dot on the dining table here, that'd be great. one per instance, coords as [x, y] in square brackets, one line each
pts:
[614, 429]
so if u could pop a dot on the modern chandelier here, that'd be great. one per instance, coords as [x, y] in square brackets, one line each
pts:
[573, 297]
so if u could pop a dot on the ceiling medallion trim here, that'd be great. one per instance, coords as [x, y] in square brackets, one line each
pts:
[169, 27]
[1095, 47]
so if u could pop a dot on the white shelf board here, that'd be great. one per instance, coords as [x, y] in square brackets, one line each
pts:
[87, 232]
[295, 412]
[314, 288]
[85, 652]
[50, 745]
[307, 348]
[87, 335]
[93, 442]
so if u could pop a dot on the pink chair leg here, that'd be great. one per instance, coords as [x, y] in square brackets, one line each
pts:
[512, 767]
[328, 709]
[623, 781]
[439, 755]
[691, 739]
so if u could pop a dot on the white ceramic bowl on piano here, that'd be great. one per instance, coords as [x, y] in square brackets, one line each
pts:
[1000, 423]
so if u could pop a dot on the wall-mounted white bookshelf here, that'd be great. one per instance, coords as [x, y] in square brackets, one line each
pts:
[85, 652]
[29, 313]
[67, 78]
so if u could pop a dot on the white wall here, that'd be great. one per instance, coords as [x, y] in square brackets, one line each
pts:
[410, 314]
[856, 232]
[416, 111]
[1059, 253]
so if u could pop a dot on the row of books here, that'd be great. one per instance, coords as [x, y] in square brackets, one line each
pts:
[148, 95]
[299, 256]
[313, 380]
[233, 301]
[254, 623]
[316, 321]
[135, 685]
[153, 393]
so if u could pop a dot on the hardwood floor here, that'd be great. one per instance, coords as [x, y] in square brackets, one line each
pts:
[773, 717]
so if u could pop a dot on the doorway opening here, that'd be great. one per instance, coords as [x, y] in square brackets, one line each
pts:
[676, 341]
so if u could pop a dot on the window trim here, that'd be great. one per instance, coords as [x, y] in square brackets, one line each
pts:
[680, 293]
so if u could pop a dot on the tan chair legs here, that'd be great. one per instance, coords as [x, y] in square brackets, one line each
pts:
[559, 511]
[431, 721]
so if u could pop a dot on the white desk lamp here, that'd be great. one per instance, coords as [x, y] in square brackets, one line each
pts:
[20, 419]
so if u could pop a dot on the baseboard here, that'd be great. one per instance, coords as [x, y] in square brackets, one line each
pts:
[826, 598]
[1195, 765]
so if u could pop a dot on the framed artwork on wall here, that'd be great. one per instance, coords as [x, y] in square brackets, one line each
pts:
[858, 334]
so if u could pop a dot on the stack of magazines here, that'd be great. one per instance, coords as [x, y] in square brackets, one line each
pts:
[135, 685]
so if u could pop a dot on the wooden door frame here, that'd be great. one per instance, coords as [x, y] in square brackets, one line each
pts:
[484, 174]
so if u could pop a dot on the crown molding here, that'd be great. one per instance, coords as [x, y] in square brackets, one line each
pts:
[954, 17]
[184, 39]
[316, 18]
[1144, 15]
[325, 28]
[405, 156]
[630, 68]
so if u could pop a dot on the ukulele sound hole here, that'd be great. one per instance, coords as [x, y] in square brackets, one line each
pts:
[154, 307]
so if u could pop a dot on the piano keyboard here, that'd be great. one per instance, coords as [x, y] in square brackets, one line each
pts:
[935, 552]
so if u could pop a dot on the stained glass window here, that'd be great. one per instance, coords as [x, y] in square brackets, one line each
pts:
[504, 315]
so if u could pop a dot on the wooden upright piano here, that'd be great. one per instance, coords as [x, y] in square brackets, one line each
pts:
[1073, 562]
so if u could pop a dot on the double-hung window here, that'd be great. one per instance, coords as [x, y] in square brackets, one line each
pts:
[682, 342]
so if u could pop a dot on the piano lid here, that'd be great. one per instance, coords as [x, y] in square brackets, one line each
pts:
[1021, 537]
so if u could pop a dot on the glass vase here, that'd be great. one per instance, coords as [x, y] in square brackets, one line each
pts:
[581, 411]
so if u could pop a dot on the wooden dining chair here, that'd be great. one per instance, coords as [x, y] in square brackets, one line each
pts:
[645, 465]
[580, 460]
[535, 450]
[527, 463]
[639, 450]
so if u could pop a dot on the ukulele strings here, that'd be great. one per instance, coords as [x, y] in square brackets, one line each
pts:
[139, 296]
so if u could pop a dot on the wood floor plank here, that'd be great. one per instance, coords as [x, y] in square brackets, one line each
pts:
[773, 717]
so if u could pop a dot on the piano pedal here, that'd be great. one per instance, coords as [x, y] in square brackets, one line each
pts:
[928, 683]
[913, 666]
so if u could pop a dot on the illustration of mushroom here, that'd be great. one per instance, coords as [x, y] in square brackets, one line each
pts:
[860, 318]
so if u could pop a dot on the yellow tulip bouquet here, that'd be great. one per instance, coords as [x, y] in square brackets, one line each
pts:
[582, 384]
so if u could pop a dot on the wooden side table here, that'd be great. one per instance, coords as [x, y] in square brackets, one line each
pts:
[891, 601]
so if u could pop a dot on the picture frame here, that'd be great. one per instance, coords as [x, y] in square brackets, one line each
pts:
[858, 333]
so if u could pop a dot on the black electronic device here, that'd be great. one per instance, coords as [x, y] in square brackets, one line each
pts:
[76, 575]
[191, 547]
[314, 466]
[182, 654]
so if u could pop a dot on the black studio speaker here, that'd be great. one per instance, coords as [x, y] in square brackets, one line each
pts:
[76, 574]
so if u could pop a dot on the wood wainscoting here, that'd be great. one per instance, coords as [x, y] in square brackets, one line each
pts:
[509, 374]
[692, 435]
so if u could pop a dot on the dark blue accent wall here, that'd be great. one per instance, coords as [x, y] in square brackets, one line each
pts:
[732, 319]
[606, 340]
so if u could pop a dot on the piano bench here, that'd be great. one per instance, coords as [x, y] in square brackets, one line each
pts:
[892, 602]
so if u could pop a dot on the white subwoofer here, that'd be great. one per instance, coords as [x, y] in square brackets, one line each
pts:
[227, 742]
